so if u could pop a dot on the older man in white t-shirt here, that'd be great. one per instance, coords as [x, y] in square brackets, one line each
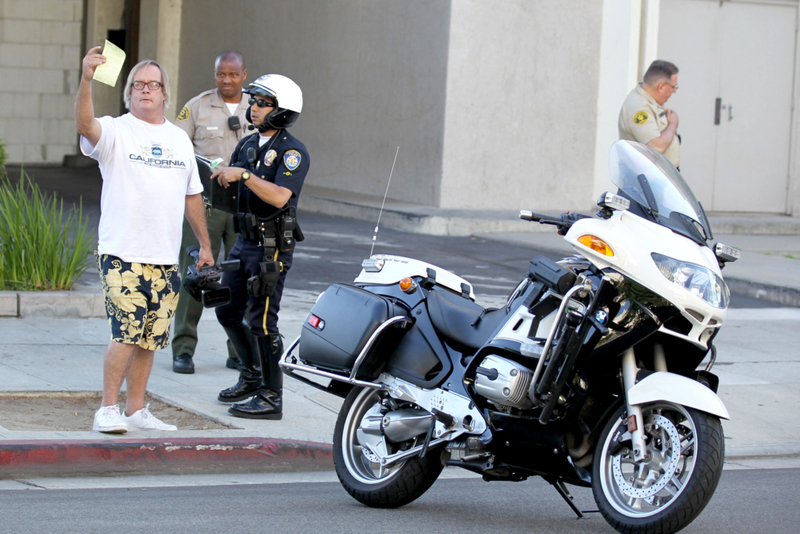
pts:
[150, 180]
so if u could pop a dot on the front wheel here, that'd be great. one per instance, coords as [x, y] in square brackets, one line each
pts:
[358, 467]
[666, 491]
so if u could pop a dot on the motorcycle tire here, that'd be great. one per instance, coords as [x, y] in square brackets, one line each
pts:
[667, 491]
[366, 481]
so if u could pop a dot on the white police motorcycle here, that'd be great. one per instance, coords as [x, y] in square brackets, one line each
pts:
[589, 374]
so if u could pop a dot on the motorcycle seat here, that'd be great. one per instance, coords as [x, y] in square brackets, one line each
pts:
[453, 316]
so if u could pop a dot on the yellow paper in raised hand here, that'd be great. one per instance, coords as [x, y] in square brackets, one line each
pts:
[108, 72]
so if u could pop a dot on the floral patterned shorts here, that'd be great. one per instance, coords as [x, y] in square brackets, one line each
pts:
[140, 300]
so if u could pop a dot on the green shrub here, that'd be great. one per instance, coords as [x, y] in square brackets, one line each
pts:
[42, 247]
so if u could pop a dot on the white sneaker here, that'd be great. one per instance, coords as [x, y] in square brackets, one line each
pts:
[144, 420]
[108, 419]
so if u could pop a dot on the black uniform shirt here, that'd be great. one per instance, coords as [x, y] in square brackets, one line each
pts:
[282, 160]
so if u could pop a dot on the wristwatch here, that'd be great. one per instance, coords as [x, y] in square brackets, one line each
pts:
[245, 176]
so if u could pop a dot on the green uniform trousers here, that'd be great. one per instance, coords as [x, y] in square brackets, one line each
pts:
[187, 315]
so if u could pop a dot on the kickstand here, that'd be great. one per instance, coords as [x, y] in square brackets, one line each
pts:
[562, 490]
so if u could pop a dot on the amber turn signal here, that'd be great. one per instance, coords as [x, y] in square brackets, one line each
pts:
[408, 285]
[596, 244]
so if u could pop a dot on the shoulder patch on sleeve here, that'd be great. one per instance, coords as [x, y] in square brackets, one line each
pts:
[292, 159]
[640, 117]
[184, 114]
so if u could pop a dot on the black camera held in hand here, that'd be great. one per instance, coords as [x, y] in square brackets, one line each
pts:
[203, 284]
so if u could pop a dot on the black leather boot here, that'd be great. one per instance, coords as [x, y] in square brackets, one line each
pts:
[182, 363]
[246, 347]
[268, 402]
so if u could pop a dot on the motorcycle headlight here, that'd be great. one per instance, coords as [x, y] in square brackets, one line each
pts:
[696, 279]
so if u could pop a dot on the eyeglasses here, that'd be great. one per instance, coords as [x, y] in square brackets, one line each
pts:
[674, 87]
[260, 102]
[153, 86]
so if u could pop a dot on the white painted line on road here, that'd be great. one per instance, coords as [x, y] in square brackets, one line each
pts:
[763, 314]
[353, 239]
[304, 256]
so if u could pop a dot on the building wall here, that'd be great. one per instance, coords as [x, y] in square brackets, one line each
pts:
[39, 72]
[521, 104]
[373, 75]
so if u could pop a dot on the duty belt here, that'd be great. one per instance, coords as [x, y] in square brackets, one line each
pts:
[274, 234]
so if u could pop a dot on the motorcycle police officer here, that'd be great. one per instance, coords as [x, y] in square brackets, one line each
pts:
[270, 167]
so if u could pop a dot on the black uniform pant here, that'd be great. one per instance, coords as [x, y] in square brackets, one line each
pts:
[262, 314]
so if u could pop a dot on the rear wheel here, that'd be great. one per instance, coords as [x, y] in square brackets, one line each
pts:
[675, 482]
[358, 467]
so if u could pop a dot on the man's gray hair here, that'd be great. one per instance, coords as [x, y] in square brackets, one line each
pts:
[135, 70]
[658, 71]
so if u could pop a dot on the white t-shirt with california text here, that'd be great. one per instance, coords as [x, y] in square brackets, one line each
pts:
[148, 170]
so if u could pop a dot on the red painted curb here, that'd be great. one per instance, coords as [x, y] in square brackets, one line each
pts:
[112, 457]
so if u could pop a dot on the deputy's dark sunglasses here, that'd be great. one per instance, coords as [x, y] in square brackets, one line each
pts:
[260, 102]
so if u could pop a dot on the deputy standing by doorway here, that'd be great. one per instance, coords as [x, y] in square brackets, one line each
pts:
[644, 118]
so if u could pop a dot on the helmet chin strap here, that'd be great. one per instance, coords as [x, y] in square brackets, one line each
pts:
[263, 127]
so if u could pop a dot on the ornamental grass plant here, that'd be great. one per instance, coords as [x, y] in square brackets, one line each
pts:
[42, 245]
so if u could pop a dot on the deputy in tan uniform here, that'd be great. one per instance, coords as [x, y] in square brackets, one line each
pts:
[644, 118]
[215, 121]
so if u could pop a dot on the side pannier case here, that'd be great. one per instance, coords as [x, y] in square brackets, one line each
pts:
[339, 326]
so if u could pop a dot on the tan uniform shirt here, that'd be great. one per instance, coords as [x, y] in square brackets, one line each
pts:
[205, 119]
[643, 119]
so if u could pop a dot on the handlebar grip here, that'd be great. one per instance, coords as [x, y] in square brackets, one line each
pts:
[527, 215]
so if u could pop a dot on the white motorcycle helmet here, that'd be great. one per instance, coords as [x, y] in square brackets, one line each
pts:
[287, 96]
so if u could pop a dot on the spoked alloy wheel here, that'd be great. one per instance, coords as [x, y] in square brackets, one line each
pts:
[357, 465]
[675, 482]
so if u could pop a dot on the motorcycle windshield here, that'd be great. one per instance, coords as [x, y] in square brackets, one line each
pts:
[651, 180]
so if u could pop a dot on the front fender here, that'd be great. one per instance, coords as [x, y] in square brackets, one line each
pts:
[669, 387]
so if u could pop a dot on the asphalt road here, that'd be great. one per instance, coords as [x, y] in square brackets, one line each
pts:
[745, 501]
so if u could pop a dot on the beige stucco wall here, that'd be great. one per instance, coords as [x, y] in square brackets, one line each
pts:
[39, 52]
[521, 104]
[373, 75]
[492, 103]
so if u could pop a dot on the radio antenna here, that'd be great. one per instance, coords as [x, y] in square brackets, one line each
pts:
[375, 235]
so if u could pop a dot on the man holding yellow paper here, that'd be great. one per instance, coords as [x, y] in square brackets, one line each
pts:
[150, 179]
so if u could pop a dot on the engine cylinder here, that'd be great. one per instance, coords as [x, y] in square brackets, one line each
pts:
[504, 382]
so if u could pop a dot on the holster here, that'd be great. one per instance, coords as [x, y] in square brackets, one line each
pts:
[263, 284]
[247, 225]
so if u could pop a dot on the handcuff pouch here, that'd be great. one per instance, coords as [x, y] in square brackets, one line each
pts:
[263, 284]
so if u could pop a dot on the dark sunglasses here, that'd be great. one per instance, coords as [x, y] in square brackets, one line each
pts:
[260, 102]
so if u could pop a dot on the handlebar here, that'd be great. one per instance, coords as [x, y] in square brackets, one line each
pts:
[564, 222]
